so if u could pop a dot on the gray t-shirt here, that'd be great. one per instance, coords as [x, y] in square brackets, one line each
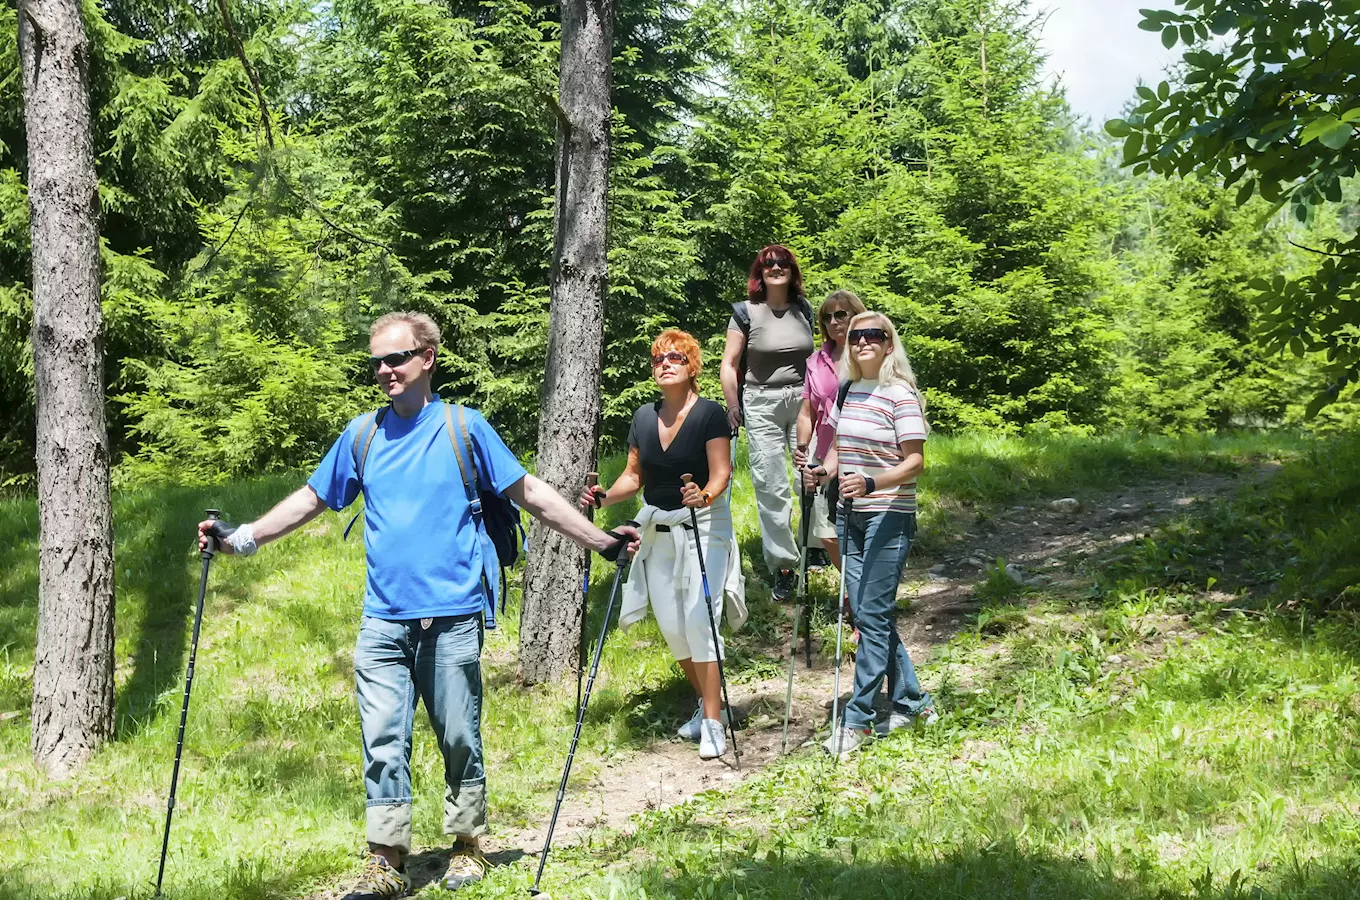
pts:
[778, 346]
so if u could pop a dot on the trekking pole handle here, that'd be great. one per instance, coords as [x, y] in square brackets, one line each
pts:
[593, 481]
[215, 536]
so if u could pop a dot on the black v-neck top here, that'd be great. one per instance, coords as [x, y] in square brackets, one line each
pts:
[688, 452]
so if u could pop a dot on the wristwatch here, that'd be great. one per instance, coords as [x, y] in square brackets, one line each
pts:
[708, 498]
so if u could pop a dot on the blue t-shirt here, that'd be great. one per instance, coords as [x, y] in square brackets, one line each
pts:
[423, 551]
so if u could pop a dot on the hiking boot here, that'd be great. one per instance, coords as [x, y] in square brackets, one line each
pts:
[467, 866]
[690, 730]
[785, 583]
[712, 739]
[845, 740]
[927, 717]
[380, 881]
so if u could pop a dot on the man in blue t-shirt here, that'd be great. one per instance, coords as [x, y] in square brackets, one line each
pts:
[421, 632]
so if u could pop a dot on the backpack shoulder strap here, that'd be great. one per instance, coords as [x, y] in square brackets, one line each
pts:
[363, 439]
[842, 393]
[467, 446]
[742, 313]
[459, 447]
[805, 308]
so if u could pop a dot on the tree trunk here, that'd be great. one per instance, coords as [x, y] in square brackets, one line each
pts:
[73, 669]
[550, 625]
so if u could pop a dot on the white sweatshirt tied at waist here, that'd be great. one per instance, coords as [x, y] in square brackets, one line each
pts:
[715, 524]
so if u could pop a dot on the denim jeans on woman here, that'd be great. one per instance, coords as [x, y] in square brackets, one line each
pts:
[875, 547]
[396, 662]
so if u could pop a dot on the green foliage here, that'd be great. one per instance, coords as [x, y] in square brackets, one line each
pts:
[907, 149]
[1268, 100]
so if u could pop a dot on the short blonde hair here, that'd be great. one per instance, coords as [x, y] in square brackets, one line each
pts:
[896, 367]
[684, 342]
[422, 328]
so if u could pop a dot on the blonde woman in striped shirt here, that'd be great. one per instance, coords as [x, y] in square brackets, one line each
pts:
[879, 452]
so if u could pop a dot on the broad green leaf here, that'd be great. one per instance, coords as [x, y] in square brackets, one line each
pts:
[1169, 35]
[1337, 136]
[1351, 115]
[1187, 34]
[1146, 92]
[1132, 147]
[1245, 191]
[1117, 128]
[1163, 90]
[1314, 129]
[1223, 21]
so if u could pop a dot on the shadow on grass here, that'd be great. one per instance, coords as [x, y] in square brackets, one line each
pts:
[998, 873]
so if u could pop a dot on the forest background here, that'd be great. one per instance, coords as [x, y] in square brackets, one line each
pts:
[398, 154]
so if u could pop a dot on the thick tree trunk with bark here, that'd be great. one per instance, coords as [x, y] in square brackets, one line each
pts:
[73, 670]
[551, 620]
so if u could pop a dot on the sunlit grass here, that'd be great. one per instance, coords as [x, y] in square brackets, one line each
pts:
[271, 801]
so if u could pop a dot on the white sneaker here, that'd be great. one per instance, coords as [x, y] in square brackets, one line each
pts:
[712, 740]
[690, 730]
[897, 721]
[844, 741]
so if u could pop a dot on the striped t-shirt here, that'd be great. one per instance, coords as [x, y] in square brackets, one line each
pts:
[875, 420]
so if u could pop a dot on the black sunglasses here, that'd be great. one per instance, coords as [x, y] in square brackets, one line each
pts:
[393, 359]
[839, 315]
[871, 335]
[785, 264]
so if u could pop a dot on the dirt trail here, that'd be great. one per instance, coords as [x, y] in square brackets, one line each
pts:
[1046, 540]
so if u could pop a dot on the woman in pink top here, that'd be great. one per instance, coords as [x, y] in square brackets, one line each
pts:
[819, 400]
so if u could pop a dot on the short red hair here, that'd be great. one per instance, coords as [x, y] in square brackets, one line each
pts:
[755, 283]
[683, 342]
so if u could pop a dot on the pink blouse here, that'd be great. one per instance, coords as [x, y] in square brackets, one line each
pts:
[820, 386]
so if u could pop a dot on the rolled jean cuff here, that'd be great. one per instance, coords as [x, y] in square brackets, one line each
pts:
[389, 824]
[914, 707]
[465, 809]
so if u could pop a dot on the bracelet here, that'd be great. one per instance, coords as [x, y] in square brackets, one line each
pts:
[869, 485]
[708, 498]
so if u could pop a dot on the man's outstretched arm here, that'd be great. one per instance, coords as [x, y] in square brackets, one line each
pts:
[289, 514]
[555, 511]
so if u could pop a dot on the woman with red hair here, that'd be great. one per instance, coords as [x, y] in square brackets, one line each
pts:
[682, 433]
[769, 340]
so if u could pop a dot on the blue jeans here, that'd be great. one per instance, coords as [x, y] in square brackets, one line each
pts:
[875, 547]
[394, 662]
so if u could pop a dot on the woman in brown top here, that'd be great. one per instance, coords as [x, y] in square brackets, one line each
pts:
[769, 339]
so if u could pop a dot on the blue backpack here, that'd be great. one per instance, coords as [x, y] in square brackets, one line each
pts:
[496, 518]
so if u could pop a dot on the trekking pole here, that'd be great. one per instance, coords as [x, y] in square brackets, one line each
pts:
[793, 641]
[713, 627]
[592, 479]
[846, 503]
[215, 535]
[622, 563]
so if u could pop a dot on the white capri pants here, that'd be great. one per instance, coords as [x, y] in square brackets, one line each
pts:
[683, 620]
